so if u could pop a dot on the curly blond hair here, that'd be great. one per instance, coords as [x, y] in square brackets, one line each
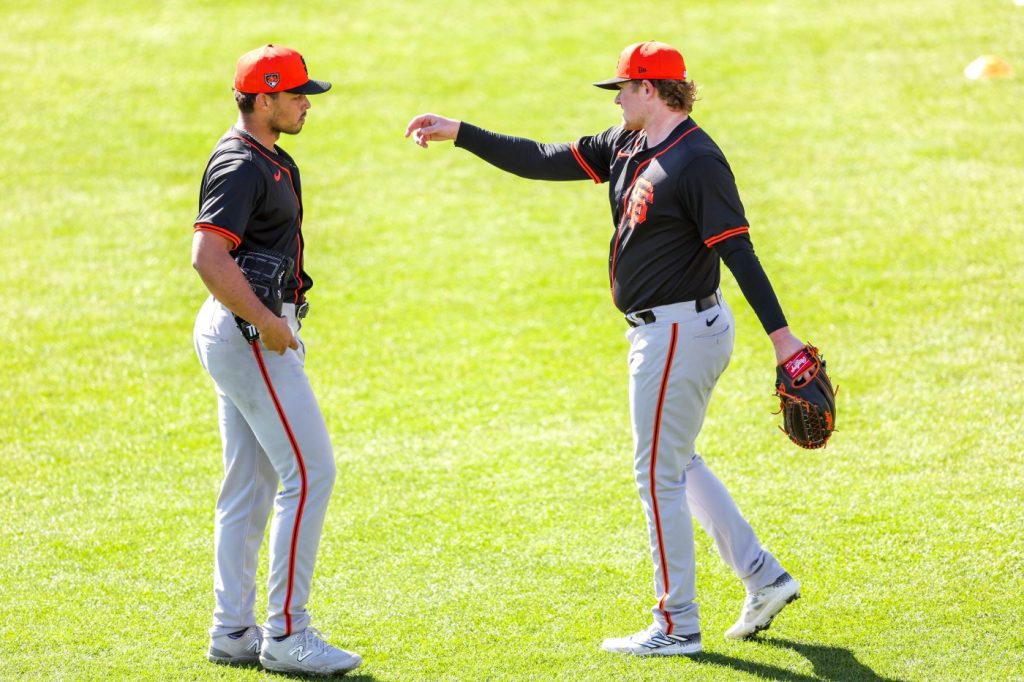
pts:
[678, 95]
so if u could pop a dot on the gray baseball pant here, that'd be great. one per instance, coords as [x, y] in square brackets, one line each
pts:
[674, 364]
[273, 435]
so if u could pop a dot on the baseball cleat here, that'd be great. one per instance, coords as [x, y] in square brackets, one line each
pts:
[654, 642]
[308, 654]
[763, 605]
[237, 648]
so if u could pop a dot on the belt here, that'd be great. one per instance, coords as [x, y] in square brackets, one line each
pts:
[301, 309]
[642, 317]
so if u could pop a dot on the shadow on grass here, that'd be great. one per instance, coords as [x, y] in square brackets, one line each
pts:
[830, 663]
[348, 677]
[345, 677]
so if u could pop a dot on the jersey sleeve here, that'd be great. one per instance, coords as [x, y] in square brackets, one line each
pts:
[708, 188]
[529, 159]
[229, 195]
[738, 255]
[594, 153]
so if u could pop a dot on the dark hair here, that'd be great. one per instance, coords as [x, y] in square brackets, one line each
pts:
[246, 101]
[678, 95]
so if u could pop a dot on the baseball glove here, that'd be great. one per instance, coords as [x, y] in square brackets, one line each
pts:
[266, 272]
[808, 407]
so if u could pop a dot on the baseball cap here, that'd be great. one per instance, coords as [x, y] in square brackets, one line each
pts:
[649, 60]
[275, 68]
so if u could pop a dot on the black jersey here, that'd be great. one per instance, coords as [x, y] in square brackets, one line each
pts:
[671, 204]
[253, 197]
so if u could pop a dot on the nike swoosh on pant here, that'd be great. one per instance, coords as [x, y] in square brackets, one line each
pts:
[711, 321]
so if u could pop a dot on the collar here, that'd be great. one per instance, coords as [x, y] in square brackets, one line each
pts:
[681, 129]
[252, 138]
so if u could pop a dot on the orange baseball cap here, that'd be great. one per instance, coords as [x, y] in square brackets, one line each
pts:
[275, 68]
[651, 61]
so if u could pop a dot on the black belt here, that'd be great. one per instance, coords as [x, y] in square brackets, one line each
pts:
[647, 316]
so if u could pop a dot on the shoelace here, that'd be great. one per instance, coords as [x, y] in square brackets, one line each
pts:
[315, 639]
[753, 603]
[646, 634]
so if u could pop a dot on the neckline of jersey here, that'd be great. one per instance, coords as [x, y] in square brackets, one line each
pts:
[252, 138]
[670, 139]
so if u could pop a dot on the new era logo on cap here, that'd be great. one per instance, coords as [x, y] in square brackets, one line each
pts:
[273, 68]
[649, 60]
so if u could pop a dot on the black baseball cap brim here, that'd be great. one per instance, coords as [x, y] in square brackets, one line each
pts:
[612, 83]
[311, 87]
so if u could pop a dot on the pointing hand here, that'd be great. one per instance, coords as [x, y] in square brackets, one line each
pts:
[432, 128]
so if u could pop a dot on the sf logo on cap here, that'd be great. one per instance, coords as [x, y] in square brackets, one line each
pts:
[272, 79]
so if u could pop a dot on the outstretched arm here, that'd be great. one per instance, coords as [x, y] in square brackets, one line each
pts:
[517, 155]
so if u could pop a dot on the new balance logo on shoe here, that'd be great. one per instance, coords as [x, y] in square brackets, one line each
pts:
[306, 653]
[299, 654]
[236, 648]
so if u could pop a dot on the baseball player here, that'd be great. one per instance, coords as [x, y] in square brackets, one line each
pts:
[676, 214]
[270, 423]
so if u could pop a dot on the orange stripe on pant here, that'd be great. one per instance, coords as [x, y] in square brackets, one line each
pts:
[302, 495]
[654, 481]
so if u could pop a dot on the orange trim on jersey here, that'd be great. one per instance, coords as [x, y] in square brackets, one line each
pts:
[293, 549]
[227, 234]
[653, 475]
[722, 236]
[583, 164]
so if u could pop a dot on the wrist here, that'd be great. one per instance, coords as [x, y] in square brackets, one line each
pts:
[266, 318]
[786, 344]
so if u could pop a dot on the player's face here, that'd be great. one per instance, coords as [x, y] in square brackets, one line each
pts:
[288, 112]
[632, 109]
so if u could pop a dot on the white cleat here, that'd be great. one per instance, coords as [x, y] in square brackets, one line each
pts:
[654, 642]
[308, 654]
[763, 605]
[241, 650]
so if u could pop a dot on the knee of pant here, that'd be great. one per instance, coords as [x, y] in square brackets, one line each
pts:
[316, 463]
[322, 472]
[665, 474]
[643, 480]
[327, 475]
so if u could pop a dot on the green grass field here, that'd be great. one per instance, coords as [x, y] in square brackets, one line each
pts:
[467, 355]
